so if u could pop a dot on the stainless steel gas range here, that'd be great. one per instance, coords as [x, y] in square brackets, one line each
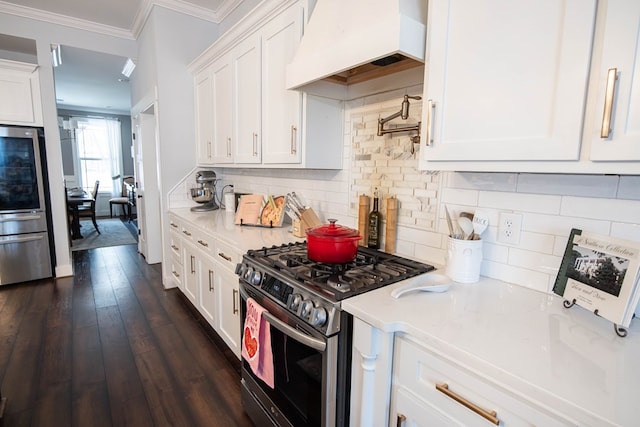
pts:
[310, 334]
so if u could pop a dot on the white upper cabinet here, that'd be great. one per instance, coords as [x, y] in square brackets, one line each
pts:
[506, 80]
[204, 117]
[255, 120]
[221, 78]
[247, 101]
[281, 112]
[20, 103]
[613, 120]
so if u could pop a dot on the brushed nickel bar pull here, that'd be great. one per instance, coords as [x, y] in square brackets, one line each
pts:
[401, 419]
[174, 247]
[229, 147]
[294, 130]
[431, 106]
[186, 232]
[173, 224]
[612, 76]
[193, 268]
[223, 256]
[203, 243]
[491, 416]
[235, 304]
[175, 273]
[210, 280]
[255, 144]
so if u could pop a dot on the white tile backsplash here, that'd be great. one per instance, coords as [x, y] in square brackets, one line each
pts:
[550, 204]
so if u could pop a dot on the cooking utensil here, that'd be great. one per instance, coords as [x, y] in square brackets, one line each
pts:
[449, 222]
[480, 223]
[467, 227]
[334, 244]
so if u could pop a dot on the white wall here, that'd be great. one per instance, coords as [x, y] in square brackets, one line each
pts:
[44, 34]
[550, 205]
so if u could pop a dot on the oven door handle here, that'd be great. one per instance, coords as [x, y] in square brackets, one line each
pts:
[301, 337]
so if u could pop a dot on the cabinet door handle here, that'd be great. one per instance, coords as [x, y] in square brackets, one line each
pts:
[235, 298]
[229, 147]
[401, 419]
[431, 106]
[612, 76]
[294, 131]
[222, 255]
[491, 416]
[193, 267]
[209, 150]
[203, 243]
[210, 280]
[255, 144]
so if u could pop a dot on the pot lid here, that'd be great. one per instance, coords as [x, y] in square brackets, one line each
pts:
[333, 231]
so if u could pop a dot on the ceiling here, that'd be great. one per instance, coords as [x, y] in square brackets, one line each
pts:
[92, 81]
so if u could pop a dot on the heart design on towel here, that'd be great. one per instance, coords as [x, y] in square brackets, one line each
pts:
[250, 343]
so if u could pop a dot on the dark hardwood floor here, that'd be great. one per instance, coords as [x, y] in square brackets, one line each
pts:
[111, 347]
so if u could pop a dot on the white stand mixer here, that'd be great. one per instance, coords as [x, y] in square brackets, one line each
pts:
[205, 192]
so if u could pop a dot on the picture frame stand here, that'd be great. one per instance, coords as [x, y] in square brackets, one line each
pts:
[621, 331]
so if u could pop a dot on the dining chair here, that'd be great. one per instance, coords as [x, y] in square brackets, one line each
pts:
[123, 199]
[89, 210]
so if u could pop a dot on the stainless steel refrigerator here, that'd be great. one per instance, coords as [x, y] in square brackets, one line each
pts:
[25, 238]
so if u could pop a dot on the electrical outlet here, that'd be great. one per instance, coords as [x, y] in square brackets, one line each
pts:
[509, 228]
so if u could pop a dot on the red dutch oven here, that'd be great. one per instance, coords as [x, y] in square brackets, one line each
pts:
[332, 243]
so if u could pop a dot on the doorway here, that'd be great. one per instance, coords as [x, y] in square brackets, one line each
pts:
[93, 99]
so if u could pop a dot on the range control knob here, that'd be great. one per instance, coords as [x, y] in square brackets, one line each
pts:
[247, 274]
[307, 306]
[318, 316]
[294, 301]
[255, 277]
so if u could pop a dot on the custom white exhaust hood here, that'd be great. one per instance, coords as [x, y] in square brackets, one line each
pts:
[350, 41]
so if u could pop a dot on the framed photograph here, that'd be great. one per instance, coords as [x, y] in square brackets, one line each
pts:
[600, 273]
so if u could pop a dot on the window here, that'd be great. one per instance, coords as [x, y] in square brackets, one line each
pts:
[98, 149]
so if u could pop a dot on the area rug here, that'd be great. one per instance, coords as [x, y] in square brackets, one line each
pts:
[112, 233]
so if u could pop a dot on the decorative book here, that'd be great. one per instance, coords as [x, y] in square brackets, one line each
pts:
[600, 273]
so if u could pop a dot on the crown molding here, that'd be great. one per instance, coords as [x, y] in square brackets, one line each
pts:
[146, 6]
[67, 21]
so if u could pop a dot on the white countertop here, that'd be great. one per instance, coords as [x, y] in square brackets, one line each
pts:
[222, 225]
[522, 339]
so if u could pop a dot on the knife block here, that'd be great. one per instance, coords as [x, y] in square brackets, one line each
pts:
[308, 219]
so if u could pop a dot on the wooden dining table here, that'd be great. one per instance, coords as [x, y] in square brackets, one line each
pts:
[74, 202]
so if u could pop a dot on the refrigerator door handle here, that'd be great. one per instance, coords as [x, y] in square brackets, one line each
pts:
[10, 240]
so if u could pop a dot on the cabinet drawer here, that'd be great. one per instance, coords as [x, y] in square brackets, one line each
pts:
[176, 269]
[420, 371]
[204, 242]
[227, 256]
[175, 243]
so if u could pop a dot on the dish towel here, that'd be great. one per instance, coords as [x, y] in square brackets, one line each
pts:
[256, 342]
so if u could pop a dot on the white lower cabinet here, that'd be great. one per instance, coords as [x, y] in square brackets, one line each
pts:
[430, 390]
[204, 270]
[226, 283]
[208, 291]
[191, 276]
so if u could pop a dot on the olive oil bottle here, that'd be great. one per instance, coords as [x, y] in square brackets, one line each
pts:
[374, 225]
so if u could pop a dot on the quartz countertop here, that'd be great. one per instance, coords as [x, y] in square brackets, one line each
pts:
[222, 224]
[524, 340]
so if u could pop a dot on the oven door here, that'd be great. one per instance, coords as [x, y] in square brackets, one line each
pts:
[304, 372]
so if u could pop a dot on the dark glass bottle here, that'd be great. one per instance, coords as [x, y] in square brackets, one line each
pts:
[375, 219]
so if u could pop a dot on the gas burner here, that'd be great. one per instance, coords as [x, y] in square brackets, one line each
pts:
[369, 270]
